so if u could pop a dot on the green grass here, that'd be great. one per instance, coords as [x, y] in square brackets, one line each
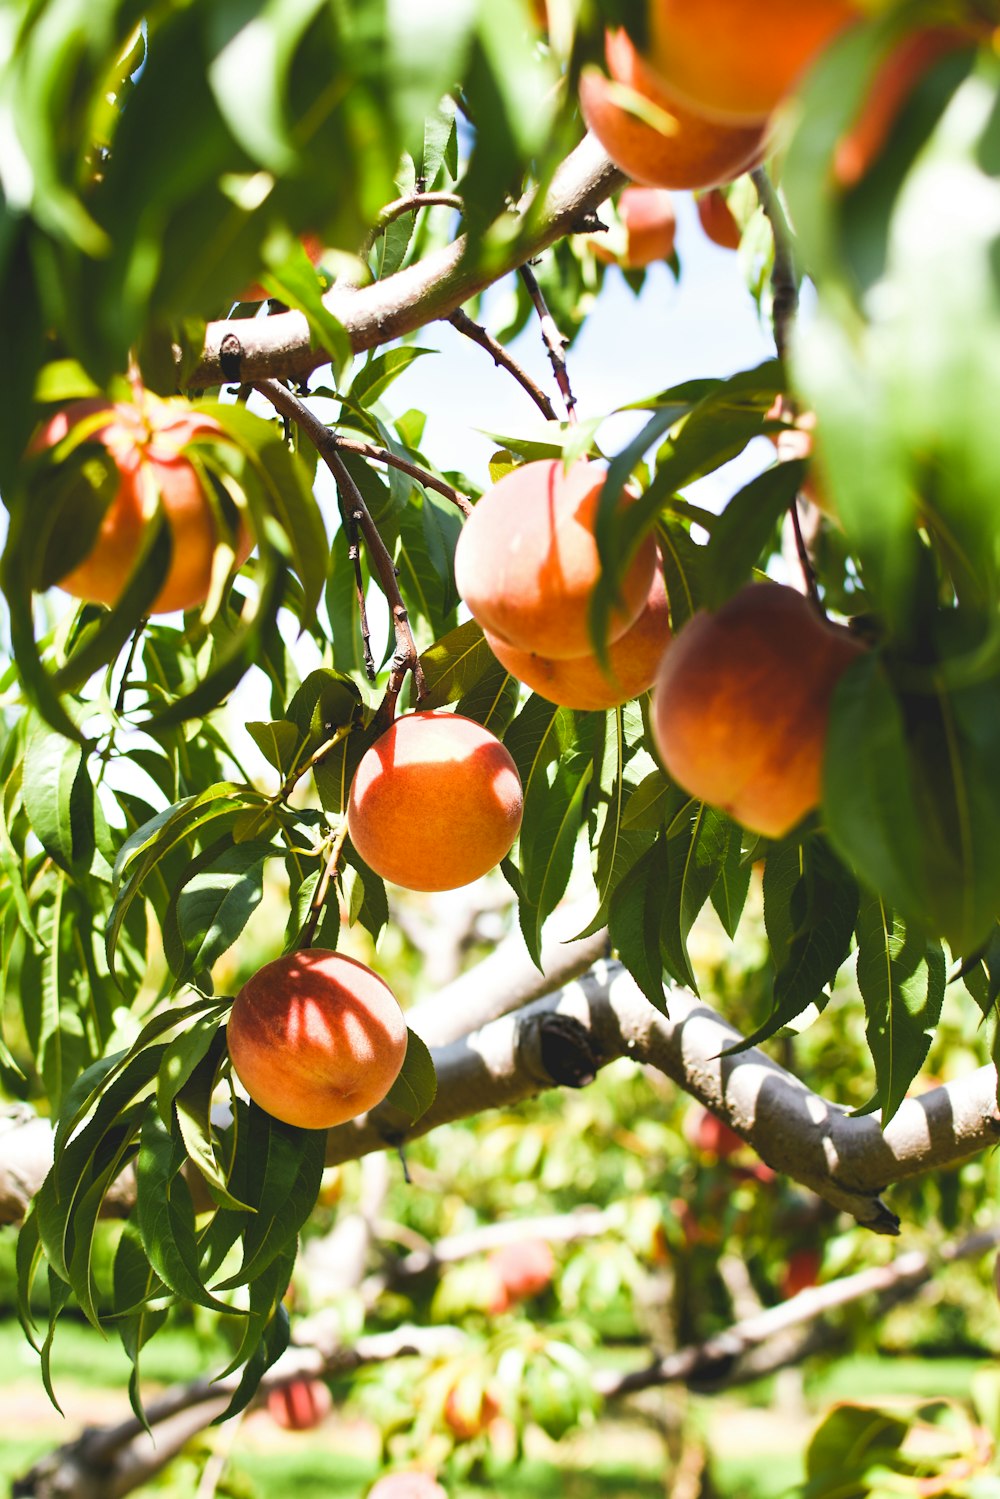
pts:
[865, 1377]
[176, 1355]
[318, 1475]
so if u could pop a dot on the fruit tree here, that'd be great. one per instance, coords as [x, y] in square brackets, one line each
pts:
[224, 231]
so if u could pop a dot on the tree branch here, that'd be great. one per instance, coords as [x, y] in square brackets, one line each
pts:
[325, 442]
[470, 329]
[555, 343]
[253, 349]
[406, 466]
[564, 1038]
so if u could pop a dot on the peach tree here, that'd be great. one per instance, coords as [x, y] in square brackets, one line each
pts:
[154, 163]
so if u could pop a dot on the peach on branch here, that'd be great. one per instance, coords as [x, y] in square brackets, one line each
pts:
[522, 1270]
[650, 223]
[469, 1408]
[717, 219]
[435, 802]
[736, 59]
[580, 681]
[299, 1405]
[654, 138]
[527, 563]
[147, 440]
[741, 705]
[316, 1038]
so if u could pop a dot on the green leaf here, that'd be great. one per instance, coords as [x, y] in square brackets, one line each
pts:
[164, 1215]
[192, 1101]
[377, 374]
[683, 571]
[215, 904]
[286, 1166]
[745, 531]
[58, 796]
[729, 893]
[455, 664]
[912, 800]
[901, 976]
[415, 1089]
[695, 852]
[553, 750]
[271, 1343]
[634, 918]
[278, 742]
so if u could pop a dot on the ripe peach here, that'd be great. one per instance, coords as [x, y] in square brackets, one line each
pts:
[316, 1038]
[579, 682]
[522, 1270]
[146, 439]
[435, 802]
[717, 220]
[736, 59]
[647, 214]
[894, 81]
[301, 1405]
[688, 151]
[741, 704]
[469, 1409]
[801, 1271]
[410, 1484]
[527, 563]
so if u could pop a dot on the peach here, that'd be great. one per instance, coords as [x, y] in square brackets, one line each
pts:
[579, 681]
[647, 215]
[741, 705]
[469, 1409]
[735, 60]
[435, 802]
[146, 438]
[527, 563]
[687, 151]
[407, 1484]
[522, 1270]
[300, 1405]
[316, 1038]
[717, 220]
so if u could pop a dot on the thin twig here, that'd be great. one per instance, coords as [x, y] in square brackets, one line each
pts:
[555, 343]
[292, 779]
[323, 887]
[406, 466]
[354, 554]
[805, 561]
[405, 658]
[409, 204]
[470, 329]
[784, 275]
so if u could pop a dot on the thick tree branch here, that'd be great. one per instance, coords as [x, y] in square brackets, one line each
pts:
[564, 1038]
[262, 348]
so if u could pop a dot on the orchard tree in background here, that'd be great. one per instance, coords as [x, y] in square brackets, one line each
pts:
[220, 227]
